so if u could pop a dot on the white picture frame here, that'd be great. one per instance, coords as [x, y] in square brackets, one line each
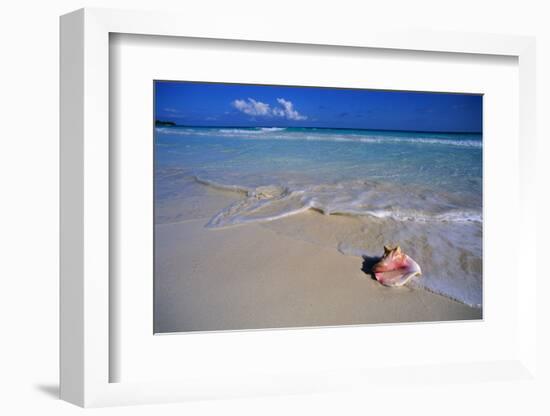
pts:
[85, 211]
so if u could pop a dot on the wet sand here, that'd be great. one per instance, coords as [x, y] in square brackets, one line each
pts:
[259, 276]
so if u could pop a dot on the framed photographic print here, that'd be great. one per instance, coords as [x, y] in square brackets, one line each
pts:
[274, 206]
[258, 214]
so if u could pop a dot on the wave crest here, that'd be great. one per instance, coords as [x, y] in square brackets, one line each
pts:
[278, 133]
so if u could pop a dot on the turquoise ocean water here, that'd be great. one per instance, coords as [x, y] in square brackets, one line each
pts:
[421, 190]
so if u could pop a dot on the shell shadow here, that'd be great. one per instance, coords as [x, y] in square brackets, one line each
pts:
[368, 264]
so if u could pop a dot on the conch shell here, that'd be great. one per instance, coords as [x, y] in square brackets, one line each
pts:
[395, 268]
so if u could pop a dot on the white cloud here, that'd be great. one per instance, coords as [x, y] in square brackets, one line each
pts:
[257, 108]
[252, 107]
[289, 111]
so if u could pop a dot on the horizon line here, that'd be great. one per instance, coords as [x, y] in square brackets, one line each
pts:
[316, 127]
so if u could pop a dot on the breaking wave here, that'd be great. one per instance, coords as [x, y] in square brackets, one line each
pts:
[278, 133]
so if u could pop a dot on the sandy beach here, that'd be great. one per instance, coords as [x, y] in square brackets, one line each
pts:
[272, 206]
[273, 275]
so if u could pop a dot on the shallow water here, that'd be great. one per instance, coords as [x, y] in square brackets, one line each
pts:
[420, 190]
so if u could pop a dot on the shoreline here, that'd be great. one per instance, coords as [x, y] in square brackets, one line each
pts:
[161, 125]
[276, 275]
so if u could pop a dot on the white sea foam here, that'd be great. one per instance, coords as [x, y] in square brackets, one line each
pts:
[276, 133]
[222, 132]
[354, 198]
[424, 194]
[435, 229]
[272, 128]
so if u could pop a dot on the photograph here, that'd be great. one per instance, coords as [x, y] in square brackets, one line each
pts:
[280, 206]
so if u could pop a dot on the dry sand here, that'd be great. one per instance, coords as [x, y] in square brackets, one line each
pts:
[253, 276]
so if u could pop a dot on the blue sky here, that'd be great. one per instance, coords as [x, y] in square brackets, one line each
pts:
[213, 104]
